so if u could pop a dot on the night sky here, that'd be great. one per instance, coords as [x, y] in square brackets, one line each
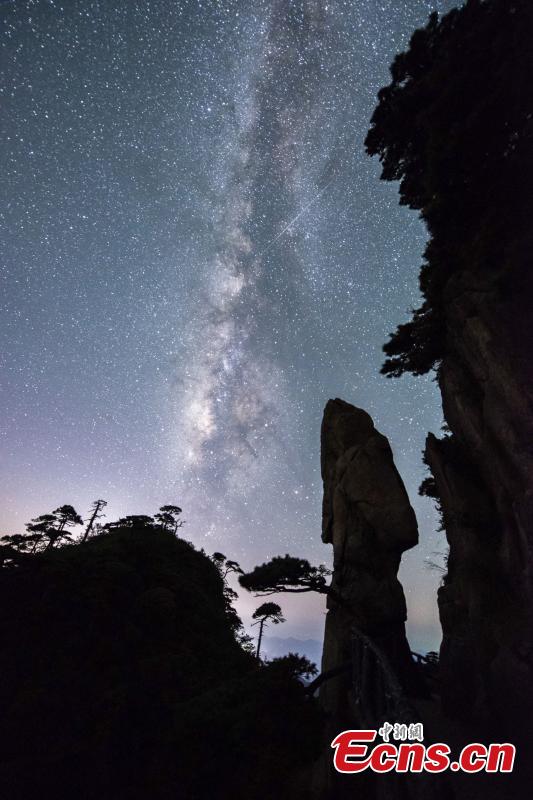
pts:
[196, 254]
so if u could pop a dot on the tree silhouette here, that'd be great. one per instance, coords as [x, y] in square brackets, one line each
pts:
[65, 517]
[48, 530]
[96, 508]
[286, 574]
[454, 127]
[225, 565]
[267, 612]
[131, 521]
[51, 527]
[16, 546]
[38, 530]
[298, 666]
[169, 518]
[17, 541]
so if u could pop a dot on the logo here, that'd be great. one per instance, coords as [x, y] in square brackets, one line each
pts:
[353, 753]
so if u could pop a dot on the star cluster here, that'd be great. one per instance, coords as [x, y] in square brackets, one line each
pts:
[197, 253]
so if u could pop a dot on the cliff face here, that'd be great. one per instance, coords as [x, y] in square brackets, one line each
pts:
[455, 127]
[484, 478]
[370, 523]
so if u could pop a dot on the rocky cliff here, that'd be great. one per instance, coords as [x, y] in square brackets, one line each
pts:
[369, 521]
[483, 472]
[455, 127]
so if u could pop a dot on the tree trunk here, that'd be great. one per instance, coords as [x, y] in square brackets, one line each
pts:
[259, 638]
[90, 524]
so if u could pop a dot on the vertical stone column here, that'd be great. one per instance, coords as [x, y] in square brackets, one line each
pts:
[369, 521]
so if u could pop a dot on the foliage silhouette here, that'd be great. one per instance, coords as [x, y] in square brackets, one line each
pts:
[169, 518]
[454, 126]
[267, 612]
[48, 530]
[225, 565]
[131, 521]
[95, 514]
[299, 666]
[286, 574]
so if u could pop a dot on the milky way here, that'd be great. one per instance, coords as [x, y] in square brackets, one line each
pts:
[197, 253]
[231, 408]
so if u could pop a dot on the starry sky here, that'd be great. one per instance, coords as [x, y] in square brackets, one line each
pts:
[196, 254]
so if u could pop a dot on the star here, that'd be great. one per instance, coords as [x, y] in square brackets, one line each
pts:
[197, 254]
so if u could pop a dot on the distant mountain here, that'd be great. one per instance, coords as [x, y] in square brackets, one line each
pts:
[275, 646]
